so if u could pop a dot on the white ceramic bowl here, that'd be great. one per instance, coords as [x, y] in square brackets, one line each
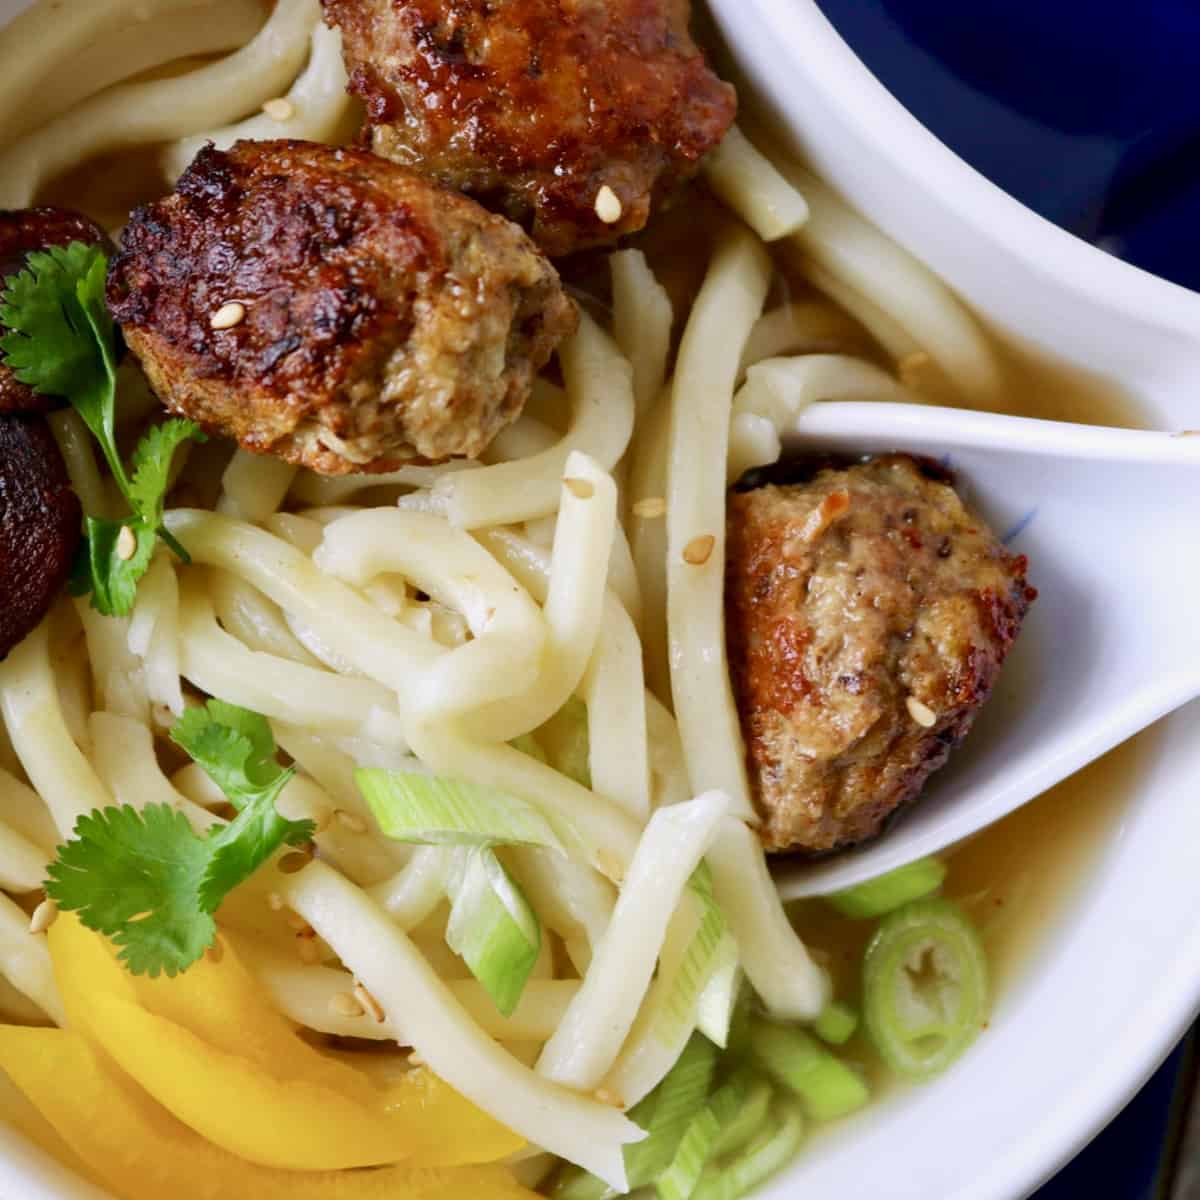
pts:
[1117, 980]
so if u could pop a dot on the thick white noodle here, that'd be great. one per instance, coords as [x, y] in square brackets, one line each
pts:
[623, 577]
[586, 1043]
[666, 753]
[600, 385]
[648, 537]
[790, 984]
[444, 1034]
[72, 672]
[502, 660]
[642, 317]
[22, 809]
[573, 604]
[159, 110]
[524, 438]
[320, 107]
[125, 761]
[778, 390]
[307, 994]
[701, 399]
[118, 677]
[802, 327]
[29, 700]
[57, 54]
[254, 485]
[78, 449]
[25, 961]
[253, 619]
[870, 263]
[411, 895]
[154, 633]
[571, 898]
[22, 864]
[749, 183]
[217, 663]
[896, 341]
[614, 690]
[380, 648]
[324, 490]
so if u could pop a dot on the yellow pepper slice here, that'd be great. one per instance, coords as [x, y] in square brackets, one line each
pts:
[210, 1048]
[142, 1152]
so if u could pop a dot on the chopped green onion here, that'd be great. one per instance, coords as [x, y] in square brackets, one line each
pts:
[884, 894]
[773, 1149]
[836, 1025]
[664, 1114]
[411, 806]
[564, 738]
[699, 1141]
[826, 1086]
[925, 987]
[714, 1009]
[493, 928]
[748, 1122]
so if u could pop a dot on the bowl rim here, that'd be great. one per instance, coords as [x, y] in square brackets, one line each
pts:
[913, 150]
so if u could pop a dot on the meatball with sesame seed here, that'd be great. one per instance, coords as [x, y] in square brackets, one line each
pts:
[335, 309]
[868, 613]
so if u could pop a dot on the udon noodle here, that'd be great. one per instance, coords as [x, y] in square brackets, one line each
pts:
[438, 613]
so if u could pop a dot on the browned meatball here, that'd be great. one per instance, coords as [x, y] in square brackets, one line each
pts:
[23, 230]
[39, 525]
[534, 106]
[868, 614]
[333, 308]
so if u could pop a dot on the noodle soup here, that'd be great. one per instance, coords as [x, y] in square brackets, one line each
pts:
[416, 802]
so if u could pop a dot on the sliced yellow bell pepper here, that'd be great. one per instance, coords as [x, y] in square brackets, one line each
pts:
[142, 1152]
[209, 1047]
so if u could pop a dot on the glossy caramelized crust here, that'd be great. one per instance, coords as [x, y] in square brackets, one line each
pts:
[23, 230]
[533, 106]
[333, 308]
[868, 614]
[39, 525]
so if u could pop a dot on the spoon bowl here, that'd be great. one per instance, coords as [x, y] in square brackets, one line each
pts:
[1108, 519]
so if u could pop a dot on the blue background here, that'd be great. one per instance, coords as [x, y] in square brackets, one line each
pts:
[1089, 112]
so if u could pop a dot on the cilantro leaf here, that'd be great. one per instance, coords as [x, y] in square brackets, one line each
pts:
[123, 864]
[111, 579]
[147, 880]
[152, 474]
[237, 751]
[60, 337]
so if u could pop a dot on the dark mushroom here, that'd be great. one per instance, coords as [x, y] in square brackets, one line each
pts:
[22, 231]
[39, 524]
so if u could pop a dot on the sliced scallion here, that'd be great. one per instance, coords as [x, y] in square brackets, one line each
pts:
[493, 928]
[714, 1009]
[699, 1141]
[925, 987]
[884, 894]
[774, 1148]
[748, 1122]
[434, 810]
[836, 1024]
[826, 1086]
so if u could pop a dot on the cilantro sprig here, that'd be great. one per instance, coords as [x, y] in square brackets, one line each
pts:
[147, 880]
[61, 342]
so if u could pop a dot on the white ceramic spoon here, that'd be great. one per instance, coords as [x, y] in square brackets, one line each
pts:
[1110, 520]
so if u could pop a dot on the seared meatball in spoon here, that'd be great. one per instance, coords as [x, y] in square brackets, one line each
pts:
[573, 117]
[334, 309]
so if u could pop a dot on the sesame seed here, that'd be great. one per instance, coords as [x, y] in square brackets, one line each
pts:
[651, 508]
[604, 1096]
[321, 818]
[415, 1060]
[126, 543]
[352, 821]
[579, 488]
[699, 550]
[309, 951]
[43, 916]
[228, 315]
[279, 109]
[921, 713]
[275, 902]
[344, 1005]
[369, 1003]
[608, 205]
[909, 368]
